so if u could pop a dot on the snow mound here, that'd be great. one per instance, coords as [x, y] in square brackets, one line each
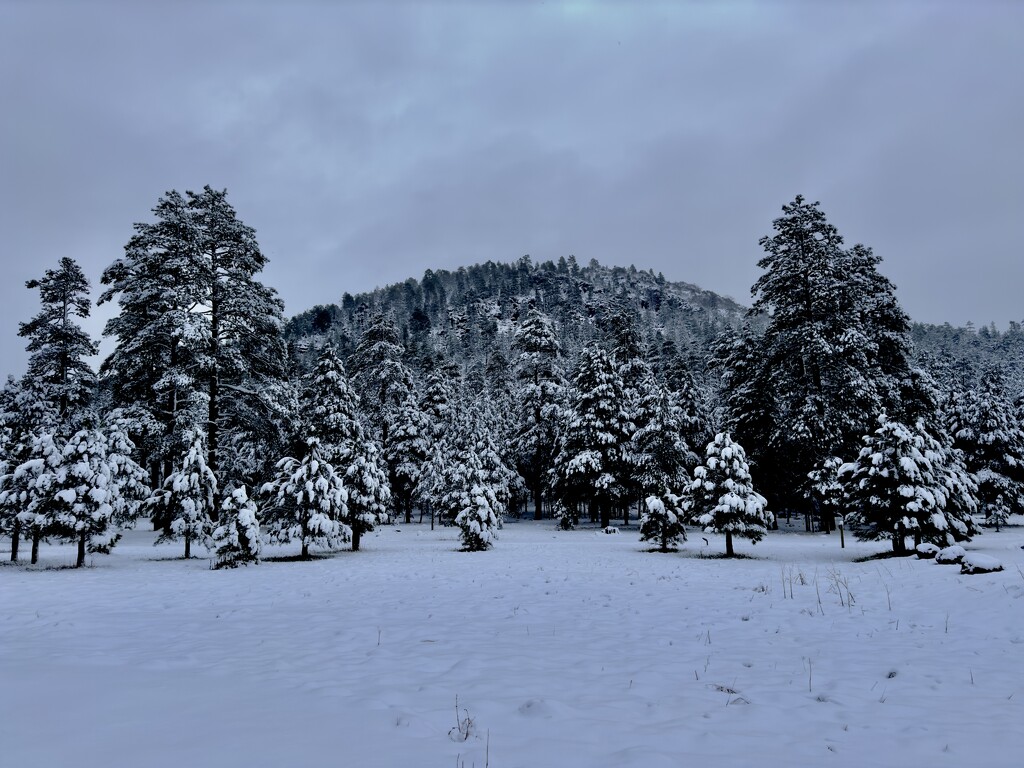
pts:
[950, 555]
[975, 563]
[611, 529]
[926, 551]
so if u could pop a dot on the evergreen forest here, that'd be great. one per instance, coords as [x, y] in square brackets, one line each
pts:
[583, 393]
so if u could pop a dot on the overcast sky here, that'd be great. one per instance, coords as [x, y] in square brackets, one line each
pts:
[367, 143]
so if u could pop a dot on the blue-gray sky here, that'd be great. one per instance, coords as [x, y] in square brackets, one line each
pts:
[368, 142]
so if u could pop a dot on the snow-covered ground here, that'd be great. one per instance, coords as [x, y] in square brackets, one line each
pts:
[563, 649]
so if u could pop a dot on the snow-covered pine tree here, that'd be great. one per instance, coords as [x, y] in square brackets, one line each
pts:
[540, 383]
[825, 490]
[407, 453]
[468, 500]
[329, 407]
[594, 432]
[985, 428]
[900, 486]
[659, 454]
[330, 413]
[246, 376]
[693, 411]
[153, 373]
[379, 374]
[438, 405]
[919, 400]
[189, 495]
[25, 415]
[832, 352]
[237, 537]
[637, 383]
[721, 497]
[369, 493]
[308, 502]
[95, 488]
[439, 394]
[498, 476]
[25, 496]
[58, 347]
[662, 520]
[199, 331]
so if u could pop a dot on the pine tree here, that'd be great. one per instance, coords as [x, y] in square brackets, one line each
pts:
[153, 372]
[57, 345]
[95, 488]
[690, 404]
[985, 428]
[468, 500]
[330, 414]
[200, 335]
[25, 415]
[237, 538]
[832, 352]
[309, 502]
[659, 452]
[662, 521]
[369, 493]
[498, 476]
[25, 496]
[539, 387]
[329, 407]
[590, 463]
[901, 485]
[407, 453]
[379, 374]
[825, 490]
[189, 495]
[721, 497]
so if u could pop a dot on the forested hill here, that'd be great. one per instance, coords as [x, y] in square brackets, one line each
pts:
[961, 353]
[468, 314]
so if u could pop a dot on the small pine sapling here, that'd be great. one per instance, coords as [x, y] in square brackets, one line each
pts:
[238, 538]
[189, 495]
[478, 519]
[310, 502]
[721, 498]
[369, 494]
[662, 521]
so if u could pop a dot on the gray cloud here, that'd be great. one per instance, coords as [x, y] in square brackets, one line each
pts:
[368, 143]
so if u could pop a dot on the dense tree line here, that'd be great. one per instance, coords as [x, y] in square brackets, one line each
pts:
[542, 390]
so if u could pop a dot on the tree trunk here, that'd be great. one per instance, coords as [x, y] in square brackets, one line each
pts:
[537, 514]
[606, 514]
[188, 545]
[81, 550]
[408, 512]
[728, 544]
[213, 430]
[355, 538]
[15, 539]
[305, 549]
[898, 542]
[35, 545]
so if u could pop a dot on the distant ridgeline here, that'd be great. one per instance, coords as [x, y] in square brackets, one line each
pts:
[470, 315]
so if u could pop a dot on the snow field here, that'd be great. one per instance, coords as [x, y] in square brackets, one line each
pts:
[563, 648]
